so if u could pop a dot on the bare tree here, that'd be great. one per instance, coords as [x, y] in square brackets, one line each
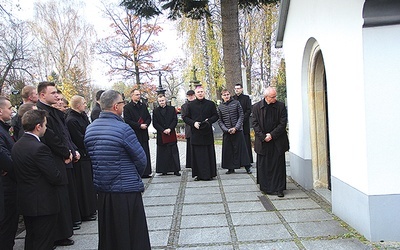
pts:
[15, 52]
[172, 77]
[129, 51]
[64, 39]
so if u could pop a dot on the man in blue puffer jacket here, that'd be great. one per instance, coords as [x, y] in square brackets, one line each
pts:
[118, 162]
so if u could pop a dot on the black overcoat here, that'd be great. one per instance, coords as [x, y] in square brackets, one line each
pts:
[278, 131]
[245, 102]
[203, 111]
[163, 120]
[133, 114]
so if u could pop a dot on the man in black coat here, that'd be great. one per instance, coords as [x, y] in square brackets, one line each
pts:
[96, 109]
[77, 121]
[190, 97]
[56, 139]
[9, 222]
[271, 143]
[245, 102]
[36, 177]
[164, 121]
[201, 114]
[138, 117]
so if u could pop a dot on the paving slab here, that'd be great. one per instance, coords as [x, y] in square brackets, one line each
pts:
[197, 184]
[240, 188]
[199, 209]
[161, 192]
[157, 211]
[202, 190]
[337, 244]
[244, 207]
[159, 223]
[318, 229]
[270, 246]
[306, 215]
[211, 220]
[203, 198]
[287, 204]
[235, 182]
[256, 218]
[242, 196]
[164, 185]
[159, 238]
[262, 232]
[159, 200]
[235, 176]
[205, 235]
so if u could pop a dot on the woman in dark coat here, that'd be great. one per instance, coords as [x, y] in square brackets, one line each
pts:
[234, 151]
[164, 121]
[77, 121]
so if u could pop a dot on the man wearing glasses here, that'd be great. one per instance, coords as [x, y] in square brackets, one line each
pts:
[118, 162]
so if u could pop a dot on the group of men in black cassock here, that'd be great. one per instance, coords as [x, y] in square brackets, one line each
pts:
[269, 121]
[49, 221]
[73, 179]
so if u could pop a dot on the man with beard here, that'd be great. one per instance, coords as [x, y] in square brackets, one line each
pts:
[201, 114]
[271, 143]
[138, 117]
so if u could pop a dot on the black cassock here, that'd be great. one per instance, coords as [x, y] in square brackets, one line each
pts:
[136, 114]
[203, 160]
[271, 165]
[167, 151]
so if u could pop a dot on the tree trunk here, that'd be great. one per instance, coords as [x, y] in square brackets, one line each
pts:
[230, 42]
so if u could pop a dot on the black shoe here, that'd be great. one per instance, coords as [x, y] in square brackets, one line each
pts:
[230, 171]
[248, 170]
[196, 178]
[89, 218]
[177, 173]
[64, 242]
[280, 194]
[77, 223]
[146, 176]
[76, 227]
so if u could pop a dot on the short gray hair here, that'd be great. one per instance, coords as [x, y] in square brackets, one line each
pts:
[268, 90]
[108, 99]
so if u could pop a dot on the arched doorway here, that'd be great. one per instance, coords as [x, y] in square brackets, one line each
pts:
[319, 122]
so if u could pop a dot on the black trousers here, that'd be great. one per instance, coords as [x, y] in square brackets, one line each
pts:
[40, 232]
[9, 223]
